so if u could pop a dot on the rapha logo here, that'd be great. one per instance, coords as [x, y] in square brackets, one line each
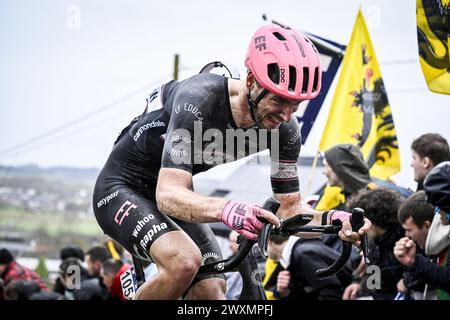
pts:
[151, 233]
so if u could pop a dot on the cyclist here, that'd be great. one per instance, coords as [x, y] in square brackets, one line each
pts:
[144, 196]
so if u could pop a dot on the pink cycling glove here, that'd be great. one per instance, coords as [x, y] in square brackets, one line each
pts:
[243, 218]
[339, 215]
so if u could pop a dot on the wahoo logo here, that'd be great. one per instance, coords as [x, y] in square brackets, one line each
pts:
[151, 233]
[145, 127]
[124, 211]
[141, 223]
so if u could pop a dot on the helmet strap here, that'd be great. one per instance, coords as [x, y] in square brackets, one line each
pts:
[253, 104]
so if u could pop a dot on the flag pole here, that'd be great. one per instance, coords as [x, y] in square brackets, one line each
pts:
[311, 175]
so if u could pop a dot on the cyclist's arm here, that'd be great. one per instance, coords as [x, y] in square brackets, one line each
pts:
[284, 176]
[291, 206]
[174, 197]
[285, 183]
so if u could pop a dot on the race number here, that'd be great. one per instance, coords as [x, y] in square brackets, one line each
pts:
[129, 283]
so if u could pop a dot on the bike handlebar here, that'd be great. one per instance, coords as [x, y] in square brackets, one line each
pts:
[289, 227]
[245, 246]
[357, 222]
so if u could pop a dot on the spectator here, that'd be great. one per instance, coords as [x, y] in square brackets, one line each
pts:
[301, 258]
[437, 239]
[10, 270]
[344, 167]
[71, 252]
[94, 259]
[276, 289]
[416, 216]
[380, 206]
[111, 272]
[76, 281]
[64, 253]
[427, 152]
[437, 188]
[21, 289]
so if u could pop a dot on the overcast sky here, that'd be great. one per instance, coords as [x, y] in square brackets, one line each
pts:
[61, 60]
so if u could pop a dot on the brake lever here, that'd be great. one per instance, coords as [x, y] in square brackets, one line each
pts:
[271, 205]
[357, 221]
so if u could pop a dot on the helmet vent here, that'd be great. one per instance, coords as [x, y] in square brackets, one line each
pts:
[305, 79]
[274, 72]
[316, 79]
[279, 36]
[292, 78]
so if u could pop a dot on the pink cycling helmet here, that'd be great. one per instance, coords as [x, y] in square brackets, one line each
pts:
[285, 62]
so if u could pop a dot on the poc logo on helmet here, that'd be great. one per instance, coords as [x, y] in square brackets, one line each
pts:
[282, 75]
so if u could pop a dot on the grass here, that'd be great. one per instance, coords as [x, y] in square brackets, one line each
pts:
[47, 223]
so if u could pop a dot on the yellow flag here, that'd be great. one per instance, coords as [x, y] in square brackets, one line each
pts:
[360, 113]
[330, 199]
[433, 29]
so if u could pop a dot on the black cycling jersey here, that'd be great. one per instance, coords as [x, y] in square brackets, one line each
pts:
[159, 137]
[186, 125]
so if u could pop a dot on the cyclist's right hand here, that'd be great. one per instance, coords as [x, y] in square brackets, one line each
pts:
[246, 218]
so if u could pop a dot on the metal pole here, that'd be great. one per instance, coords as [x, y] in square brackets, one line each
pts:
[176, 65]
